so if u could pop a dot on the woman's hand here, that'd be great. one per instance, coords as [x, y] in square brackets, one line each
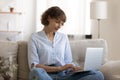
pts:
[71, 66]
[67, 66]
[77, 68]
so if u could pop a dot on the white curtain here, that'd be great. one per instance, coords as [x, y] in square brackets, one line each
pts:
[75, 11]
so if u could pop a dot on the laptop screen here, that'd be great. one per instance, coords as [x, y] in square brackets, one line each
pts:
[93, 58]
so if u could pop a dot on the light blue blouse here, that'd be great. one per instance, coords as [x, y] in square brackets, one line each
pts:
[42, 51]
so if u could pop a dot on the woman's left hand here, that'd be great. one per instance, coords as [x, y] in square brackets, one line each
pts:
[77, 68]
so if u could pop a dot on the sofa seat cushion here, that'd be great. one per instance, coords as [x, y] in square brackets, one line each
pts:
[8, 47]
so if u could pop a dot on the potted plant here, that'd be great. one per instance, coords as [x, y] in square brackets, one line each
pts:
[11, 9]
[7, 68]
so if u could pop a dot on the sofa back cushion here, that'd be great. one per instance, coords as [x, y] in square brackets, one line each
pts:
[78, 48]
[7, 48]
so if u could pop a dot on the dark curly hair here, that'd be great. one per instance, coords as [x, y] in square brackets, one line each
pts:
[53, 12]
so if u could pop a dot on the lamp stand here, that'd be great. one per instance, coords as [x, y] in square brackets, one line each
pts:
[98, 28]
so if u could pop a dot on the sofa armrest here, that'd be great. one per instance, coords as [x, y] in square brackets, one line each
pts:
[23, 69]
[111, 70]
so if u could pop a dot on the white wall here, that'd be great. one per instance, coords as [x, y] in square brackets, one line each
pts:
[24, 23]
[110, 29]
[28, 17]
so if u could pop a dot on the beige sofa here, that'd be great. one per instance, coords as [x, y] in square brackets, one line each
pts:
[110, 69]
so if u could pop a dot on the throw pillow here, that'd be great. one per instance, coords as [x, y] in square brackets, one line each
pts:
[8, 59]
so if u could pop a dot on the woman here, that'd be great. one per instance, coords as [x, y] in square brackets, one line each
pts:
[49, 52]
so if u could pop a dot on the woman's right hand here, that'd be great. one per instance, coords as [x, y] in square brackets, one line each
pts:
[68, 66]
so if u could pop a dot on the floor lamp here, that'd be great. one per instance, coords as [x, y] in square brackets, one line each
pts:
[98, 11]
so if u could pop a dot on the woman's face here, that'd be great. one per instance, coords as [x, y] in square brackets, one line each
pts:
[55, 24]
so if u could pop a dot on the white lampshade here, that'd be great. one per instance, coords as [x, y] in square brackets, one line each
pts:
[98, 10]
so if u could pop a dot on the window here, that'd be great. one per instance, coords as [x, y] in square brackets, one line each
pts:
[75, 11]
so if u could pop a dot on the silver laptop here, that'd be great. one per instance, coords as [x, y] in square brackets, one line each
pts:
[93, 59]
